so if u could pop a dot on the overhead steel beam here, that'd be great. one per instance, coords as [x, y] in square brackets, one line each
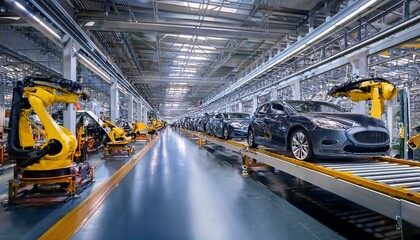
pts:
[55, 13]
[182, 18]
[323, 31]
[20, 57]
[175, 100]
[376, 44]
[224, 32]
[175, 80]
[129, 43]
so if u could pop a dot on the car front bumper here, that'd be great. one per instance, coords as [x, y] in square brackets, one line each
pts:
[358, 141]
[238, 132]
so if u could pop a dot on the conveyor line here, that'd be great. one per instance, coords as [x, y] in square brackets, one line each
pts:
[394, 183]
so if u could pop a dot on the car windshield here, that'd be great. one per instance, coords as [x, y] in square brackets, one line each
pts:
[237, 115]
[300, 106]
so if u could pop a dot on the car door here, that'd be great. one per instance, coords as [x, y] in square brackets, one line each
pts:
[258, 124]
[276, 121]
[217, 124]
[207, 124]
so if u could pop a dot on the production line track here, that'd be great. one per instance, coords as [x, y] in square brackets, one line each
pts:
[386, 185]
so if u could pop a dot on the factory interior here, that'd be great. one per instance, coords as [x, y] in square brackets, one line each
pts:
[209, 119]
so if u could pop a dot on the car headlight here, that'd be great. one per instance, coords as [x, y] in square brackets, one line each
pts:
[328, 124]
[236, 125]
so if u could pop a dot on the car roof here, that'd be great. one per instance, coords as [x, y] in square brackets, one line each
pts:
[234, 112]
[291, 100]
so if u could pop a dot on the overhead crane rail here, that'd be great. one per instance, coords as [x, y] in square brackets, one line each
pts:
[386, 185]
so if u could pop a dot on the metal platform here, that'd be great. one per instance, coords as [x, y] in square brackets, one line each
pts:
[388, 186]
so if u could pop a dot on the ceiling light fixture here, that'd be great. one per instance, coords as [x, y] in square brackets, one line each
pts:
[195, 46]
[202, 38]
[185, 70]
[90, 24]
[194, 50]
[101, 73]
[287, 54]
[192, 57]
[37, 20]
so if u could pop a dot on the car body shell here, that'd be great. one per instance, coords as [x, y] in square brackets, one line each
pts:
[361, 135]
[202, 122]
[237, 126]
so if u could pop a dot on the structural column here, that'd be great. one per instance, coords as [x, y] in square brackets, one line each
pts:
[144, 114]
[130, 108]
[389, 114]
[139, 109]
[2, 113]
[69, 72]
[114, 107]
[254, 102]
[274, 94]
[240, 106]
[296, 90]
[359, 63]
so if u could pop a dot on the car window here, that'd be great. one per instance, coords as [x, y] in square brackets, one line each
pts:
[263, 109]
[303, 106]
[277, 107]
[238, 115]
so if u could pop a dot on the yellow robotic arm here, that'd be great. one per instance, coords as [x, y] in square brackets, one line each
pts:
[139, 128]
[115, 133]
[35, 93]
[376, 89]
[414, 142]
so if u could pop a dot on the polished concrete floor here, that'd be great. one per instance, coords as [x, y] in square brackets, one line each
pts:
[178, 191]
[27, 222]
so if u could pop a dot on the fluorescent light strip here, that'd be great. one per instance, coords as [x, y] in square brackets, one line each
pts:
[86, 62]
[196, 46]
[101, 73]
[342, 21]
[195, 50]
[41, 23]
[184, 70]
[192, 57]
[185, 63]
[269, 65]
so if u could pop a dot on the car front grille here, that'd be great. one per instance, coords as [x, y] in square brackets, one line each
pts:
[371, 137]
[359, 149]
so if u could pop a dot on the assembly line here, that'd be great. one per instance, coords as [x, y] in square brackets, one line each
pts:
[217, 119]
[367, 181]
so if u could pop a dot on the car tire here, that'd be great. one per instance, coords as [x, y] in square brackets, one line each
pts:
[300, 145]
[225, 133]
[251, 139]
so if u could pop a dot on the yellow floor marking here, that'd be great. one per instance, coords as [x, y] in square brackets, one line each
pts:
[67, 226]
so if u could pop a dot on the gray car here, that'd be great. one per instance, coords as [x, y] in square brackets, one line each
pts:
[230, 125]
[310, 128]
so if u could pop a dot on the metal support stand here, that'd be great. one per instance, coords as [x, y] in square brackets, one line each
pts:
[245, 165]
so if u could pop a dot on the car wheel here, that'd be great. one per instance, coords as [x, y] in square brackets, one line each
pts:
[301, 145]
[251, 139]
[225, 133]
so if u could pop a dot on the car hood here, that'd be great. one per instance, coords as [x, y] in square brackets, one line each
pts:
[348, 118]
